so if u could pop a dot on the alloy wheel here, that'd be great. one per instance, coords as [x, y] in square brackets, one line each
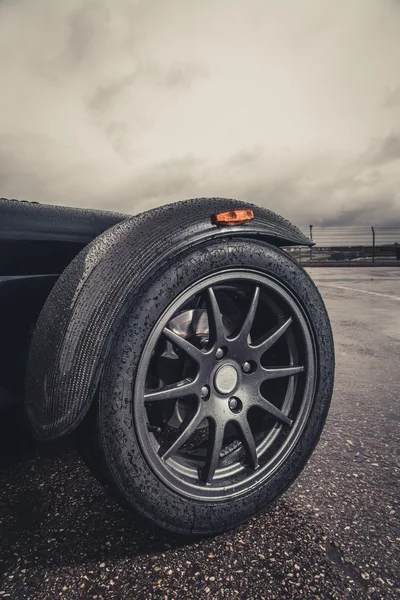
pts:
[225, 385]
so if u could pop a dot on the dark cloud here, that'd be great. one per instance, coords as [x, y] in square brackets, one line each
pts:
[105, 95]
[384, 151]
[380, 211]
[88, 26]
[131, 104]
[29, 171]
[392, 98]
[347, 199]
[157, 185]
[22, 175]
[243, 158]
[181, 75]
[119, 135]
[355, 194]
[102, 104]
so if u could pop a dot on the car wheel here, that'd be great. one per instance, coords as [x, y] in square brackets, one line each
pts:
[215, 389]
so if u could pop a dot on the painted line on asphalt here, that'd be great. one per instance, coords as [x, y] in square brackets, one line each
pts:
[343, 287]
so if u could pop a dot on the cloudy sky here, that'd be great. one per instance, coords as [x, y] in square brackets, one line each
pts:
[130, 104]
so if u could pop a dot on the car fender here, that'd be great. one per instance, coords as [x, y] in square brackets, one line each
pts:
[74, 330]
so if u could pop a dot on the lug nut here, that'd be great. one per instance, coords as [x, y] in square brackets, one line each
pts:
[233, 403]
[219, 353]
[204, 392]
[246, 367]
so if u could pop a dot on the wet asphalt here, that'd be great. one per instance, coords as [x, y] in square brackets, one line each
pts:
[335, 533]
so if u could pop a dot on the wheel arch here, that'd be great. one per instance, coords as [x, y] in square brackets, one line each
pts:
[73, 332]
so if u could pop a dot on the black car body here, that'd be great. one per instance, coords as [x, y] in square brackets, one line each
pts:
[37, 242]
[186, 321]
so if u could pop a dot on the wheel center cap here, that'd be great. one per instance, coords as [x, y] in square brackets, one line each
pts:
[225, 379]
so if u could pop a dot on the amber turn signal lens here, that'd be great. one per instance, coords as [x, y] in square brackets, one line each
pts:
[233, 217]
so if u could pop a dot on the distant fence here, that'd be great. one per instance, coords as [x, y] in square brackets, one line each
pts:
[350, 246]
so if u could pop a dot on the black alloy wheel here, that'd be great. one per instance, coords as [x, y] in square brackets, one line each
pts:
[225, 385]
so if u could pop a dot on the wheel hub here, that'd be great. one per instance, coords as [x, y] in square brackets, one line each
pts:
[226, 379]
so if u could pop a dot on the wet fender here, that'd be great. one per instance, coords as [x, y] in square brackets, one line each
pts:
[85, 306]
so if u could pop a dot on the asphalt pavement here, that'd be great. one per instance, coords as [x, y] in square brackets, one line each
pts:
[335, 533]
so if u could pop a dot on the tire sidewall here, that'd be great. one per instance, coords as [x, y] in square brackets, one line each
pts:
[136, 481]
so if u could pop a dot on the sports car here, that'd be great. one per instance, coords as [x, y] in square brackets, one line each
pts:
[187, 354]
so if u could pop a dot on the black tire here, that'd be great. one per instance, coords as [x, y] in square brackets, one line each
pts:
[112, 441]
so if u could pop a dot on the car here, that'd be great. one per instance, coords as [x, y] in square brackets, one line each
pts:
[189, 357]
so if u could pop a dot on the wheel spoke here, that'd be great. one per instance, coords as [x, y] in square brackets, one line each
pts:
[248, 323]
[170, 392]
[273, 410]
[186, 433]
[215, 323]
[279, 372]
[183, 344]
[249, 443]
[272, 337]
[169, 352]
[214, 450]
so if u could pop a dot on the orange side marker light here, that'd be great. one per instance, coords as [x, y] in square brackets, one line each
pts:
[233, 217]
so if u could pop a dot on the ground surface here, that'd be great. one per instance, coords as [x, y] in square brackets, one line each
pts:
[335, 534]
